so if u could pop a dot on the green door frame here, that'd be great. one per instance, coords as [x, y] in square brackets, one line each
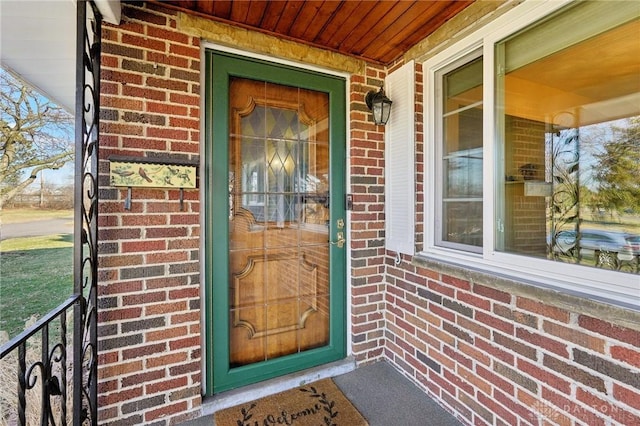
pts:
[220, 67]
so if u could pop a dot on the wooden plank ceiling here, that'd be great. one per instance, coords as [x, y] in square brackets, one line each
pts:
[377, 31]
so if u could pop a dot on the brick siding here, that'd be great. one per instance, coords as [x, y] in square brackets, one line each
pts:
[494, 357]
[150, 290]
[149, 299]
[489, 353]
[495, 352]
[366, 250]
[526, 216]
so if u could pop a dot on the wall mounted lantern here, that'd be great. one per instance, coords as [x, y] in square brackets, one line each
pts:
[379, 105]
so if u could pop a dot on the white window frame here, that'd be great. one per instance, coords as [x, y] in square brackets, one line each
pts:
[438, 151]
[609, 286]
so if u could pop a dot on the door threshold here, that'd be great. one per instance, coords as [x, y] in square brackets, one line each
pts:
[272, 386]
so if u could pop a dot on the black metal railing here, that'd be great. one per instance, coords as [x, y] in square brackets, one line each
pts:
[85, 359]
[57, 374]
[44, 348]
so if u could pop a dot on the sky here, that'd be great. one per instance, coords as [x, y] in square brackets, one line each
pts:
[63, 176]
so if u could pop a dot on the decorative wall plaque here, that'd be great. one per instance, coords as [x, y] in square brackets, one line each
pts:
[152, 175]
[144, 172]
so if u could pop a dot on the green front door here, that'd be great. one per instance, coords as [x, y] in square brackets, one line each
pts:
[275, 220]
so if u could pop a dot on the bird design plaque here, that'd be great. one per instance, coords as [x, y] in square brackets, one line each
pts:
[152, 175]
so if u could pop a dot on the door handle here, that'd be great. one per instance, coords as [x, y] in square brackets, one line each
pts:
[341, 240]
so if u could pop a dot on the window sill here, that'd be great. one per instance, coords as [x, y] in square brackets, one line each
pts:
[474, 270]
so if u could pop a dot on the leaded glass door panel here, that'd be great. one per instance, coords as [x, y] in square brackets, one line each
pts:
[278, 221]
[281, 307]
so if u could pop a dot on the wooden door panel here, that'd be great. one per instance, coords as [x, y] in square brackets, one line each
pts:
[279, 252]
[275, 184]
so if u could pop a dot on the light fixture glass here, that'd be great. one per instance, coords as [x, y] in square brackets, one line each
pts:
[379, 105]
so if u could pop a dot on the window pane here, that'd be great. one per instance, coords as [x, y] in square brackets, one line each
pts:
[461, 158]
[571, 143]
[463, 169]
[463, 222]
[463, 87]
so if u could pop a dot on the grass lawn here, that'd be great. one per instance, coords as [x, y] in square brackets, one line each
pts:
[27, 215]
[36, 275]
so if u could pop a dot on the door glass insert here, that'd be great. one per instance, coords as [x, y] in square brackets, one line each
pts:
[278, 221]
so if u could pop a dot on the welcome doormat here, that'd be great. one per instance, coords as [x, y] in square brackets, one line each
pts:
[320, 403]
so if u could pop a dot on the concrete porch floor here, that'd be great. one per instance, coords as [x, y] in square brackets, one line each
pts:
[384, 397]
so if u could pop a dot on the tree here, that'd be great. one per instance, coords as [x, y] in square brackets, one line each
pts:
[619, 168]
[35, 134]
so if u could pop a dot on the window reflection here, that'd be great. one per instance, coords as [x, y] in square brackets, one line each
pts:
[571, 132]
[461, 162]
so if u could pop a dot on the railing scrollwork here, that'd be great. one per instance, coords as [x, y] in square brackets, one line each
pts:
[86, 213]
[57, 374]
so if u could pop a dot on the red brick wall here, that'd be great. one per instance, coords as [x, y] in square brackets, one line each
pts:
[525, 216]
[149, 291]
[366, 169]
[149, 283]
[489, 356]
[496, 358]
